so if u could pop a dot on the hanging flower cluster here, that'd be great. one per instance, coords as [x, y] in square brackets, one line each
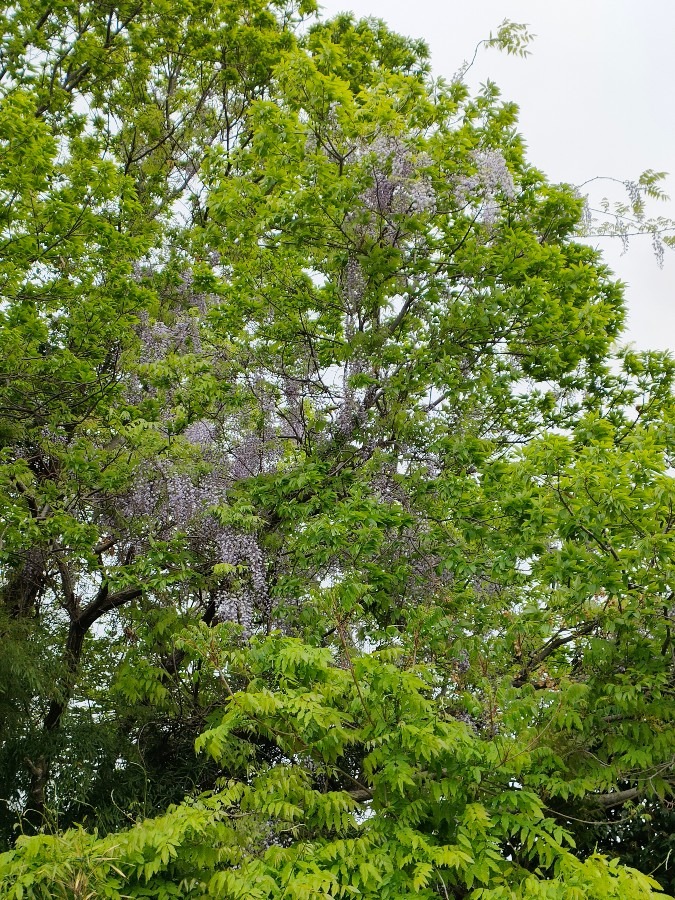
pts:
[239, 604]
[398, 186]
[171, 500]
[487, 186]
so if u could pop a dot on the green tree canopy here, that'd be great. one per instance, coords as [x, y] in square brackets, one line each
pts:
[336, 554]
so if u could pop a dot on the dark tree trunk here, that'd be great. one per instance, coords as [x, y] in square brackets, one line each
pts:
[24, 585]
[34, 814]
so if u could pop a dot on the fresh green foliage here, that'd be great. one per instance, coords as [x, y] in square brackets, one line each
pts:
[337, 534]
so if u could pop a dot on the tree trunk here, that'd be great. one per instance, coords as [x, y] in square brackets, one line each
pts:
[34, 813]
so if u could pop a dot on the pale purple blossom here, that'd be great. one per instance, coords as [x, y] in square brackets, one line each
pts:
[354, 283]
[398, 186]
[158, 339]
[201, 434]
[490, 183]
[239, 604]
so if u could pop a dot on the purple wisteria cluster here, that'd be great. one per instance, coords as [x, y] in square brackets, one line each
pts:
[241, 550]
[490, 183]
[159, 339]
[353, 410]
[354, 285]
[292, 389]
[172, 500]
[398, 185]
[172, 497]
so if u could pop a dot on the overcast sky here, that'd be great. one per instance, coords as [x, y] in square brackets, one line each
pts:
[595, 98]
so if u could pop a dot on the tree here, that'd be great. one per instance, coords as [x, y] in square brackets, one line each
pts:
[316, 458]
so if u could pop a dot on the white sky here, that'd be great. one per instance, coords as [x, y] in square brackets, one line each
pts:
[595, 98]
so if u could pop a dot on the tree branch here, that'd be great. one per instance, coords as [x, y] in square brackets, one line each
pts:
[550, 647]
